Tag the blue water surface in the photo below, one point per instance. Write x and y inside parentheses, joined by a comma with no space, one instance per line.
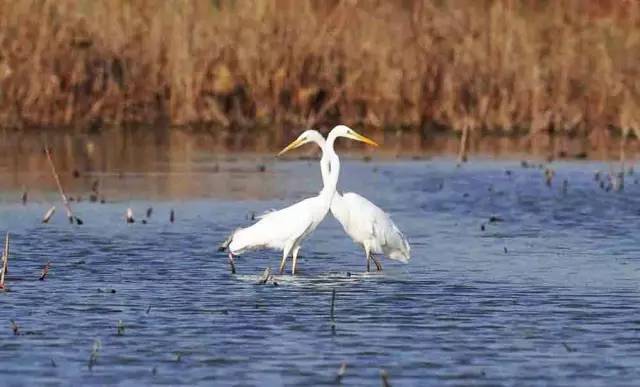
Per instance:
(544,293)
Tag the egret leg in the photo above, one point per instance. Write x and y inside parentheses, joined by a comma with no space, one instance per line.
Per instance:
(367,254)
(295,259)
(378,265)
(232,264)
(283,263)
(285,254)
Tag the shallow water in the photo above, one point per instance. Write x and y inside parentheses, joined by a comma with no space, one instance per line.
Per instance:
(548,295)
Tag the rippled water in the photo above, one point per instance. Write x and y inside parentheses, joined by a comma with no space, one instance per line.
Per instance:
(546,295)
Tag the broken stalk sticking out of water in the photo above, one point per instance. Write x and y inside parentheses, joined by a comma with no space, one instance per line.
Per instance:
(120,328)
(93,358)
(49,214)
(129,216)
(45,271)
(333,307)
(385,378)
(65,201)
(15,328)
(5,261)
(172,216)
(266,275)
(341,372)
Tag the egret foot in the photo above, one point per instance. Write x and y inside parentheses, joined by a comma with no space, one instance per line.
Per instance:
(232,264)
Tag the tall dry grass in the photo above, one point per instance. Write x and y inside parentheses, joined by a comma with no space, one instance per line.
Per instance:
(501,66)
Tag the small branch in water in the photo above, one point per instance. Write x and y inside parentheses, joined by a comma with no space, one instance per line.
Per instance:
(341,372)
(333,307)
(15,328)
(5,261)
(149,212)
(45,271)
(548,176)
(385,378)
(24,198)
(265,276)
(65,201)
(129,216)
(49,214)
(172,216)
(93,358)
(120,328)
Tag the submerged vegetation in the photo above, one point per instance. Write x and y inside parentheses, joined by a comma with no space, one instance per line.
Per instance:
(473,67)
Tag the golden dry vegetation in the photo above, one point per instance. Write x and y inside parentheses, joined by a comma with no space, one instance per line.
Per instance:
(474,67)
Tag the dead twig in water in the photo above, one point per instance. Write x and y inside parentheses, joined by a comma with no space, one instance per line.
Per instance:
(333,307)
(548,176)
(172,216)
(385,378)
(120,328)
(15,328)
(129,216)
(49,214)
(341,372)
(93,358)
(65,201)
(24,198)
(5,261)
(45,271)
(265,276)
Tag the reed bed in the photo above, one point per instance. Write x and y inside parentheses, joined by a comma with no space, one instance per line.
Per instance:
(465,66)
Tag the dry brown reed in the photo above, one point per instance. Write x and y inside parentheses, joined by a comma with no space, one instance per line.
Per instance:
(475,67)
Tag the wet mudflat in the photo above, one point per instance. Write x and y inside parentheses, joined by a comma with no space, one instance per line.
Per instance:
(511,282)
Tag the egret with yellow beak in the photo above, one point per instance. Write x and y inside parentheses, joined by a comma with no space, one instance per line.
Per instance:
(367,224)
(286,229)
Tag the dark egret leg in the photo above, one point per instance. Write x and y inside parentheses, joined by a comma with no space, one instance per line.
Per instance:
(295,259)
(368,257)
(378,265)
(232,264)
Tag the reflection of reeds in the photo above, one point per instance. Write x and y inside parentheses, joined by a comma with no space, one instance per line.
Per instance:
(510,66)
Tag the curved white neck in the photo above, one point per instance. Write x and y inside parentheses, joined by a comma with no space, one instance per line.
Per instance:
(330,168)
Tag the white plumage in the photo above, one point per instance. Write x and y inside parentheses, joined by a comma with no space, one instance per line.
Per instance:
(367,224)
(286,229)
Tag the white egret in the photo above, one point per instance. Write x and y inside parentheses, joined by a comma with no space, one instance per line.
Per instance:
(367,224)
(285,229)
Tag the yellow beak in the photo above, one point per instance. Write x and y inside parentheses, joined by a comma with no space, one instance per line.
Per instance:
(359,137)
(298,142)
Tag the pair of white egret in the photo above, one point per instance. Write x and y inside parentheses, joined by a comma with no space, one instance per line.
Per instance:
(363,221)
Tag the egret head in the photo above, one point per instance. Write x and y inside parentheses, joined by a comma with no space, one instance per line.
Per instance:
(345,131)
(306,137)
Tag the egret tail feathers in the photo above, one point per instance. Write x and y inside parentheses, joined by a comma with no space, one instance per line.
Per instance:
(402,250)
